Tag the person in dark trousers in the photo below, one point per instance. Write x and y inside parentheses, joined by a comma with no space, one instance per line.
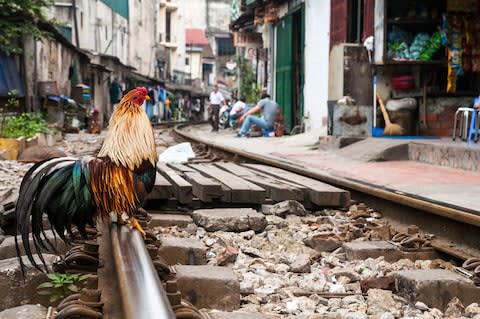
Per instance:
(216,99)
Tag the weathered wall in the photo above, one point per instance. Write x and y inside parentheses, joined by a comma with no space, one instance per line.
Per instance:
(49,60)
(195,65)
(218,15)
(195,14)
(338,22)
(143,39)
(101,29)
(317,44)
(440,114)
(53,63)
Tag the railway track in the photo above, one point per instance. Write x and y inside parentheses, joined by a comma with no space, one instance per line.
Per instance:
(136,278)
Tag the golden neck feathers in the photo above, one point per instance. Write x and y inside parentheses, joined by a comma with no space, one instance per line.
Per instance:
(130,139)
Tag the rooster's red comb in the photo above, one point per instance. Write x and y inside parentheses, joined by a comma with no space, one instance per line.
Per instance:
(142,89)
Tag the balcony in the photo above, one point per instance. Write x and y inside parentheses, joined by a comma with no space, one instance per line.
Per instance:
(170,5)
(168,40)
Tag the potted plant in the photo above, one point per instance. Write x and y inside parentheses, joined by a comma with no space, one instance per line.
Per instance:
(15,129)
(9,147)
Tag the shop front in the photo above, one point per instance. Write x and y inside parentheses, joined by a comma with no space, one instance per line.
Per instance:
(426,62)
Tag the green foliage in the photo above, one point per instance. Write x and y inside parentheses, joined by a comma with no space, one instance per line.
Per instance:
(18,18)
(25,124)
(249,89)
(12,101)
(60,285)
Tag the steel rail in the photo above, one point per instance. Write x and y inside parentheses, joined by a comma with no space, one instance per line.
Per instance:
(410,200)
(142,293)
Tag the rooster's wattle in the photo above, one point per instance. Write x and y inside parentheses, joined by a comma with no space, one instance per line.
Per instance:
(73,191)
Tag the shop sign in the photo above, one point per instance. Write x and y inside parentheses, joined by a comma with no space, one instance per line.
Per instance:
(241,39)
(255,53)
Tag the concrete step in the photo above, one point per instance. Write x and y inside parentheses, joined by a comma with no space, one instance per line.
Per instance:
(7,248)
(230,219)
(359,250)
(183,251)
(209,287)
(436,287)
(160,219)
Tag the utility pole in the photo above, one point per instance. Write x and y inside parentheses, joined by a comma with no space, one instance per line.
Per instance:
(77,41)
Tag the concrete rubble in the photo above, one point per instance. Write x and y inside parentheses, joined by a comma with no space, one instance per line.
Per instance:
(287,270)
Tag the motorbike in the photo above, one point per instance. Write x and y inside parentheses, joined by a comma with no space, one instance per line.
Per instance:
(224,116)
(196,111)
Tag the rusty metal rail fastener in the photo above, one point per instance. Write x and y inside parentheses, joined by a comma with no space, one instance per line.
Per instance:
(472,266)
(81,258)
(141,291)
(411,242)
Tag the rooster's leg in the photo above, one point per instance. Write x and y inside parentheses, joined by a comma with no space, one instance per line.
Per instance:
(133,223)
(130,221)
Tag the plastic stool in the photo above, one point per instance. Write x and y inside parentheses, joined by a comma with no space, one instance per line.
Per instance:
(465,111)
(474,122)
(474,126)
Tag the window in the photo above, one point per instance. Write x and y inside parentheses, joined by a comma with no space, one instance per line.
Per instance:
(106,32)
(355,21)
(81,20)
(225,46)
(187,61)
(168,17)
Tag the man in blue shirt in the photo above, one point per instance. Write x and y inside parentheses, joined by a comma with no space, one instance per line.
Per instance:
(267,108)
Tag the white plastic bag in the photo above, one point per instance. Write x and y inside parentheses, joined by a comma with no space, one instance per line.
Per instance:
(179,153)
(407,103)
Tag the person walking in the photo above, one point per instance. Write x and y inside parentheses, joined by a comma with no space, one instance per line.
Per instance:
(216,98)
(267,108)
(168,110)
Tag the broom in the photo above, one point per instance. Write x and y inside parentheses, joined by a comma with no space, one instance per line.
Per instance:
(390,129)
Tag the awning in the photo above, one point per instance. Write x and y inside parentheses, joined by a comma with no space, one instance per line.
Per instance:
(10,77)
(244,21)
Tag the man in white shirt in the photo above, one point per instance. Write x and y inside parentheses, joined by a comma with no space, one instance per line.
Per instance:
(237,110)
(216,99)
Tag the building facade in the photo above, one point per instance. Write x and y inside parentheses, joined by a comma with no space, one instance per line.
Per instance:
(287,43)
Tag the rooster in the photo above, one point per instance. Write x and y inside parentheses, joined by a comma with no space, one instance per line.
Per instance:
(73,191)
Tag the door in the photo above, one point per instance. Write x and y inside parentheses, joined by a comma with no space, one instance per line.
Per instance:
(289,73)
(284,70)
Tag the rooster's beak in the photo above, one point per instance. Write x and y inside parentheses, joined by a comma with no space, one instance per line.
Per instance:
(147,98)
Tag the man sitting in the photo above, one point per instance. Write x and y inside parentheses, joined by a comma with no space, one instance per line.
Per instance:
(267,108)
